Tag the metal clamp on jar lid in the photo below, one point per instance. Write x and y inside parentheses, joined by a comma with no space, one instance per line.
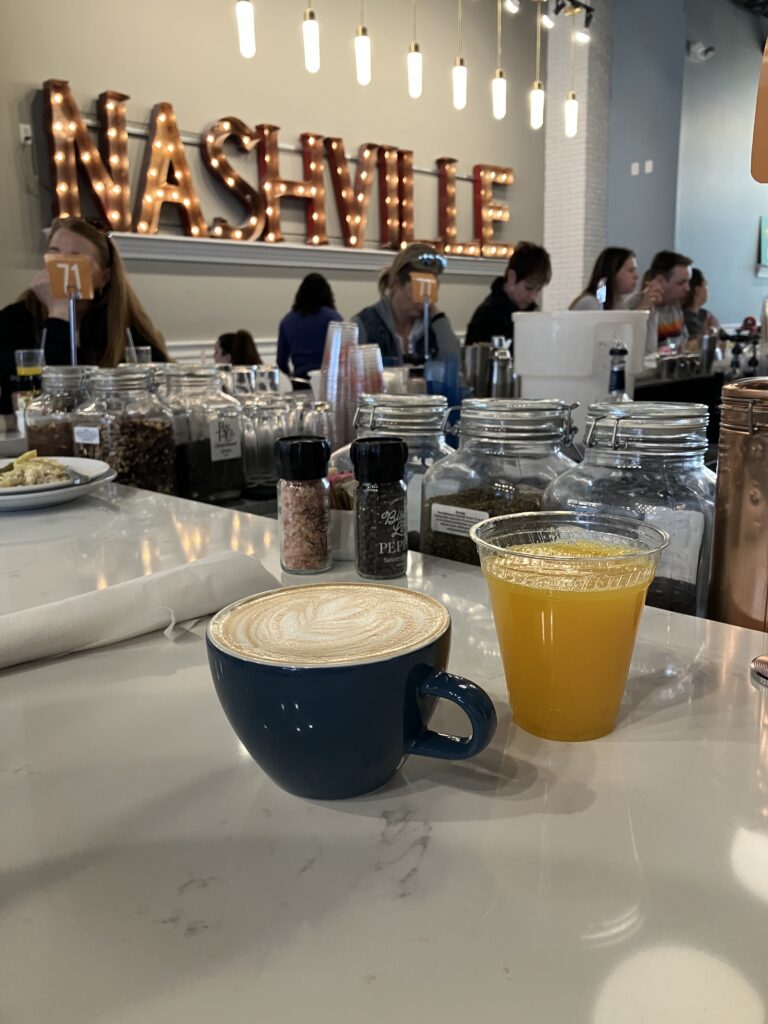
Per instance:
(653,428)
(517,419)
(758,672)
(745,406)
(406,414)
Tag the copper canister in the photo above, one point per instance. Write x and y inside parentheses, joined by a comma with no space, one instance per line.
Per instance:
(739,587)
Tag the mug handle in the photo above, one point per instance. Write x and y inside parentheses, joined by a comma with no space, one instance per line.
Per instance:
(476,705)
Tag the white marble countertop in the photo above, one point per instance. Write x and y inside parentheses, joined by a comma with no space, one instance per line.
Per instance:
(151,873)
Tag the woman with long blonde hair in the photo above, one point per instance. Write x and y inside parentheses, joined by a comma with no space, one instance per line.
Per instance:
(38,320)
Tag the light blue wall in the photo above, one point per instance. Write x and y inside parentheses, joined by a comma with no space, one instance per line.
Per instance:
(719,205)
(646,98)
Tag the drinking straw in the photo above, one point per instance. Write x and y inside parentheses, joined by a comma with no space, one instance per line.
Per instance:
(42,345)
(130,356)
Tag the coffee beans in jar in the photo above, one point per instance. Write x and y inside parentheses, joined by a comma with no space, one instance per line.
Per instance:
(127,427)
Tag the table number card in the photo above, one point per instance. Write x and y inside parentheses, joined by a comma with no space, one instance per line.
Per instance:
(67,274)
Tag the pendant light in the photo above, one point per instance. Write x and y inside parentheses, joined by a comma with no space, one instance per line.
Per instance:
(537,89)
(362,50)
(459,72)
(310,29)
(415,74)
(499,82)
(246,31)
(571,110)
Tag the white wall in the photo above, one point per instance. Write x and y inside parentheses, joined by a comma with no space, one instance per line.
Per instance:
(718,204)
(187,54)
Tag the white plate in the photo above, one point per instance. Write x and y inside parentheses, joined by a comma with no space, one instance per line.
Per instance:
(86,468)
(13,502)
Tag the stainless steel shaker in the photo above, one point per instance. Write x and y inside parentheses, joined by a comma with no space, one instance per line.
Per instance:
(477,368)
(739,586)
(504,381)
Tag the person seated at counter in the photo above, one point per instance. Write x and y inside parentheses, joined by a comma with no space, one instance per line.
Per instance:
(38,320)
(236,348)
(528,271)
(301,335)
(668,281)
(616,272)
(396,322)
(698,320)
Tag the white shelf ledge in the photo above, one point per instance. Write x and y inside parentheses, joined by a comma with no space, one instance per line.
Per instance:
(218,251)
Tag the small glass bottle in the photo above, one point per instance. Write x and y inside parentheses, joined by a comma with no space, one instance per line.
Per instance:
(303,503)
(381,535)
(617,381)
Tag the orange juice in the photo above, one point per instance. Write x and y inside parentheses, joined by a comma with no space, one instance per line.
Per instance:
(566,638)
(28,371)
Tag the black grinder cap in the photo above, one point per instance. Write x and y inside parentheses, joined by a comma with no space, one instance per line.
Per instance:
(302,457)
(379,460)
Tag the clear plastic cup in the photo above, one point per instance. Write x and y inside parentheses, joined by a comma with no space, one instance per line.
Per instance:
(567,591)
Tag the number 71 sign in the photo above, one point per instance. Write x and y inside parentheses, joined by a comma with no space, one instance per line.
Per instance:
(69,275)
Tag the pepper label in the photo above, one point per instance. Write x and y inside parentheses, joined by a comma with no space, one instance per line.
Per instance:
(453,520)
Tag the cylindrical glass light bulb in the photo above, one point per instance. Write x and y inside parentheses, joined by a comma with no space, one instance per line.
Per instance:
(415,74)
(246,30)
(547,21)
(310,28)
(362,56)
(459,76)
(571,115)
(499,95)
(537,105)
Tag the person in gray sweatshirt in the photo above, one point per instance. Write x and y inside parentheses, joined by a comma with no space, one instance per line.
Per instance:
(396,322)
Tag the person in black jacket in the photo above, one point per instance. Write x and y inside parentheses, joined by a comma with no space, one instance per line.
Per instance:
(528,271)
(37,320)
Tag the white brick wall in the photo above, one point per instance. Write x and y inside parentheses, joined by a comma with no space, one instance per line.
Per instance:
(576,170)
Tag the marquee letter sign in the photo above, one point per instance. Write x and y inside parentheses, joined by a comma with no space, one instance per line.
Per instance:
(68,139)
(212,150)
(166,177)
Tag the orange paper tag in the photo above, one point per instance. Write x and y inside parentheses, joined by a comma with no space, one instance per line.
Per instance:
(760,136)
(424,286)
(69,274)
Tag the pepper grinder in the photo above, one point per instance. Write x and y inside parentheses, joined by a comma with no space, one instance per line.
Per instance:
(381,536)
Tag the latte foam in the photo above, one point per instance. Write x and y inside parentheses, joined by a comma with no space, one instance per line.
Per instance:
(328,624)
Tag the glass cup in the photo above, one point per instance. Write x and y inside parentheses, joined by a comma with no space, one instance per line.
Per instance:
(567,591)
(29,368)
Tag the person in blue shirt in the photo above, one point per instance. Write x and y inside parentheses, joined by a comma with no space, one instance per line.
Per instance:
(301,338)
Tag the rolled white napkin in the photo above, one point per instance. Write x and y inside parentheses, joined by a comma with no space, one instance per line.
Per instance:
(130,609)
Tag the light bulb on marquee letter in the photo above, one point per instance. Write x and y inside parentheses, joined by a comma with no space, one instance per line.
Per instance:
(362,56)
(537,105)
(571,115)
(310,29)
(352,199)
(415,73)
(499,95)
(459,80)
(246,31)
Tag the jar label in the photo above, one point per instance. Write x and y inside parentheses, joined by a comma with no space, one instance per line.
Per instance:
(453,520)
(225,440)
(86,435)
(680,560)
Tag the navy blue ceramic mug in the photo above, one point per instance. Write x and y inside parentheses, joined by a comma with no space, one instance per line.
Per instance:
(331,686)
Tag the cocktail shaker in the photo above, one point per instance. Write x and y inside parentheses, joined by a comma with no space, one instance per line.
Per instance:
(739,586)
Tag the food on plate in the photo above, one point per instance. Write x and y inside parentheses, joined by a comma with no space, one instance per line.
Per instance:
(31,470)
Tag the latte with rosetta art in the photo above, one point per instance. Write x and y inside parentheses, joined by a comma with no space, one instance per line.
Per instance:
(329,624)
